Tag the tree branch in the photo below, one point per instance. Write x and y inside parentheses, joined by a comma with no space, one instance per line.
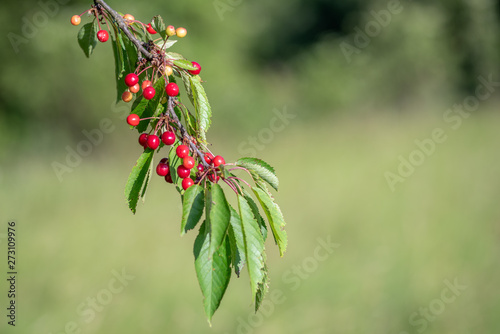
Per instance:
(194,148)
(123,26)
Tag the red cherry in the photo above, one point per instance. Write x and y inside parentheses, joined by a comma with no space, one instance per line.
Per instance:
(168,178)
(153,142)
(150,29)
(135,88)
(186,183)
(198,68)
(149,93)
(182,151)
(131,79)
(164,161)
(209,157)
(172,89)
(218,160)
(168,138)
(162,169)
(188,162)
(133,119)
(143,139)
(214,178)
(200,168)
(146,83)
(102,36)
(183,172)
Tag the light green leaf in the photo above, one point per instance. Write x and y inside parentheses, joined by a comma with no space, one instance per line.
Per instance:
(274,217)
(174,55)
(119,67)
(262,287)
(193,203)
(185,64)
(158,25)
(256,213)
(166,45)
(237,242)
(254,245)
(186,79)
(213,270)
(202,107)
(138,179)
(261,168)
(218,216)
(87,38)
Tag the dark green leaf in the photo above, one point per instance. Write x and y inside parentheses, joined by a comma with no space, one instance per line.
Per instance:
(274,217)
(119,68)
(185,64)
(158,25)
(237,242)
(254,245)
(130,54)
(213,270)
(87,38)
(261,168)
(218,216)
(202,107)
(138,179)
(193,203)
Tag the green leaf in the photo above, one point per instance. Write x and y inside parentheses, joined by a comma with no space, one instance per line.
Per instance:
(186,79)
(119,67)
(237,242)
(138,180)
(158,25)
(153,108)
(274,217)
(130,53)
(193,203)
(256,213)
(174,55)
(261,168)
(166,44)
(202,107)
(254,245)
(262,287)
(213,270)
(87,38)
(218,216)
(185,64)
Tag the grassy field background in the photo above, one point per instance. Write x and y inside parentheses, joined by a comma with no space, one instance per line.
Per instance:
(393,254)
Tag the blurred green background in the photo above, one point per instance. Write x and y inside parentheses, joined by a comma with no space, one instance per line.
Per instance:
(358,104)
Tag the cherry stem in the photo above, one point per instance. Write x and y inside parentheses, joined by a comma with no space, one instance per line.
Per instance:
(237,178)
(121,23)
(231,185)
(236,167)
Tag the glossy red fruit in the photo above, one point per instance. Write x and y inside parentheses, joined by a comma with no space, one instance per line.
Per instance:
(168,138)
(218,160)
(200,168)
(164,160)
(143,139)
(135,88)
(214,178)
(145,84)
(133,119)
(209,157)
(198,68)
(150,29)
(183,172)
(186,183)
(102,36)
(188,162)
(182,151)
(168,178)
(149,93)
(162,169)
(131,79)
(172,89)
(153,142)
